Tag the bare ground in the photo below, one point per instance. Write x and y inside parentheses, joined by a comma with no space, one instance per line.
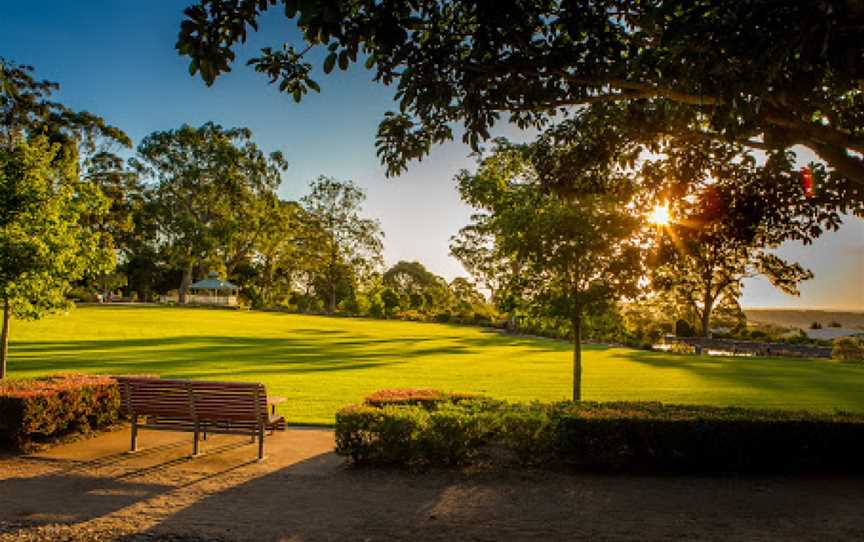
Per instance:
(92,490)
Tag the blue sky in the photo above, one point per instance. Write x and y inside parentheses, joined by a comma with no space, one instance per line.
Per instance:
(117,59)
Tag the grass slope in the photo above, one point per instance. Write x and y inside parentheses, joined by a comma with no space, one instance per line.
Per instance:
(322,363)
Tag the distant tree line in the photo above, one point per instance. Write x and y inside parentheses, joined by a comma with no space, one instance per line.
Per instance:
(196,200)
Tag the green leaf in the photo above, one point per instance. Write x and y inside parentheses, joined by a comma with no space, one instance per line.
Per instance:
(313,85)
(297,94)
(329,62)
(343,60)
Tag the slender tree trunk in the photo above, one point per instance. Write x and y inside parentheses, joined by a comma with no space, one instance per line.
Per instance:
(332,303)
(577,358)
(707,308)
(4,337)
(333,281)
(185,282)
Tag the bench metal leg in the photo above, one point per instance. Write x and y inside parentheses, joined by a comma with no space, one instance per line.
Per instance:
(261,442)
(133,447)
(195,441)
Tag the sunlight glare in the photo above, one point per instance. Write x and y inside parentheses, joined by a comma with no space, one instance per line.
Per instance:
(660,215)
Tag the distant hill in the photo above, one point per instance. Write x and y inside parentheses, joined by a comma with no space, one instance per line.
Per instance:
(802,318)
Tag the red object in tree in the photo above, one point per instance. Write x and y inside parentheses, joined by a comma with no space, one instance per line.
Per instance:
(807,181)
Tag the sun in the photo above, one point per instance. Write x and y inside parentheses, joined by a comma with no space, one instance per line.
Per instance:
(660,215)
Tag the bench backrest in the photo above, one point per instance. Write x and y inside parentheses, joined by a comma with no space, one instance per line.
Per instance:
(194,400)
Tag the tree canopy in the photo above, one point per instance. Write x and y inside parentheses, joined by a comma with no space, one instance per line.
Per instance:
(346,240)
(766,74)
(208,183)
(45,241)
(576,256)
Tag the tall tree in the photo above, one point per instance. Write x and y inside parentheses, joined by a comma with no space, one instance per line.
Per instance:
(46,234)
(276,260)
(207,183)
(724,228)
(767,73)
(45,241)
(576,255)
(347,240)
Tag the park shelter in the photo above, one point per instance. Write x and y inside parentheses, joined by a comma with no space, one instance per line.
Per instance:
(213,291)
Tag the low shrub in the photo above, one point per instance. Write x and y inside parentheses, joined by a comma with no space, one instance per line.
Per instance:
(848,349)
(38,410)
(443,429)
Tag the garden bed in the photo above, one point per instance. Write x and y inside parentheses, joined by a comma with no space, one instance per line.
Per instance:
(427,428)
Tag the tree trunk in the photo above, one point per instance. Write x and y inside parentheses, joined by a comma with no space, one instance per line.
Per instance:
(707,308)
(577,358)
(4,337)
(332,304)
(185,282)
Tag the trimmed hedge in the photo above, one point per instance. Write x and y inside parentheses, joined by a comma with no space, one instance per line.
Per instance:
(597,436)
(38,410)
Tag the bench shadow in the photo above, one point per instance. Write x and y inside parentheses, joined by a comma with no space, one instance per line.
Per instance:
(69,494)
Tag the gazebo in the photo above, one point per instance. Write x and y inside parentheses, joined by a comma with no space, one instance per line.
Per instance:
(213,291)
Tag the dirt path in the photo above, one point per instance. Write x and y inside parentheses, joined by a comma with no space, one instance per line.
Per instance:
(90,490)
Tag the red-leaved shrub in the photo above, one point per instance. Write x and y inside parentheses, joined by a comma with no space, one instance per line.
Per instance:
(36,410)
(408,396)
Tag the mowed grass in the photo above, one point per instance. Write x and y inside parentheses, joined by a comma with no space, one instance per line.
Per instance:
(322,363)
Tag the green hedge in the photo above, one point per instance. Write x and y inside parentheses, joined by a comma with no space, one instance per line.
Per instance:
(38,410)
(597,436)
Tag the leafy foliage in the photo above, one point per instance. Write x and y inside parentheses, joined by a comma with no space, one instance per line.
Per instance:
(45,242)
(599,436)
(40,409)
(575,257)
(343,239)
(767,74)
(210,187)
(26,110)
(728,213)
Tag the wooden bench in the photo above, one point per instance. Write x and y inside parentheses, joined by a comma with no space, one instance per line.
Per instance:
(199,407)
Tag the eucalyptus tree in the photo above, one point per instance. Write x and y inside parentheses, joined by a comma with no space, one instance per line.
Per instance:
(764,73)
(340,240)
(576,256)
(207,183)
(728,214)
(276,259)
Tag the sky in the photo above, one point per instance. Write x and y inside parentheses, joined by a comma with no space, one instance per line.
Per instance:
(117,59)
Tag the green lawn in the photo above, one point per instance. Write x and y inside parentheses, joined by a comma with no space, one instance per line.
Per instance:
(322,363)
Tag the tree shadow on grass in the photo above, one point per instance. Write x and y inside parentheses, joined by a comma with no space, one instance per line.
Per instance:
(787,378)
(182,355)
